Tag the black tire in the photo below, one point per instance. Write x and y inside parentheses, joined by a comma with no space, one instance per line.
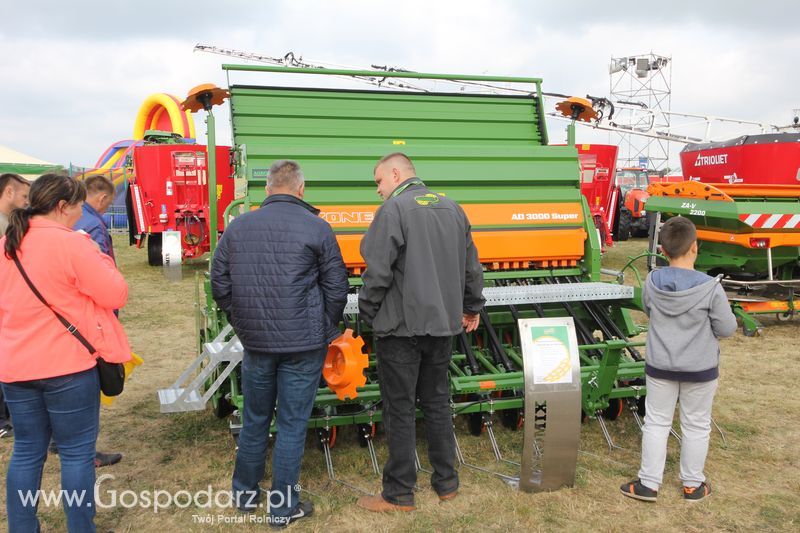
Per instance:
(222,407)
(154,249)
(613,410)
(510,418)
(475,424)
(624,227)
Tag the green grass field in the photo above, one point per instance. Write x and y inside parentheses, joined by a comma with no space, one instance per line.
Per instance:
(755,474)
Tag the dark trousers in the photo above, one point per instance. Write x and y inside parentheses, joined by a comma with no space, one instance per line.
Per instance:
(411,368)
(4,417)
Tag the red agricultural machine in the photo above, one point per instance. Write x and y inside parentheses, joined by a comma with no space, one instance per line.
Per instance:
(597,162)
(169,192)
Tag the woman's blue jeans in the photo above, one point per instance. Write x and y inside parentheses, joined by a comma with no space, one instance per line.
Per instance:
(68,408)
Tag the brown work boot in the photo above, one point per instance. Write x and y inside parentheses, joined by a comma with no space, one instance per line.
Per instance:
(377,504)
(449,496)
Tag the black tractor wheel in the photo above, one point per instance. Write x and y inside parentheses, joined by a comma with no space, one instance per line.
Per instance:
(624,225)
(154,249)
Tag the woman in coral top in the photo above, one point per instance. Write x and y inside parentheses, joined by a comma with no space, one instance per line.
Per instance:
(48,377)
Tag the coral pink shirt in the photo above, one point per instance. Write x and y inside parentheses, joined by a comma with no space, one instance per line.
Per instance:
(78,281)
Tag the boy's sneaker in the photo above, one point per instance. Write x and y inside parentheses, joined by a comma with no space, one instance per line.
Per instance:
(635,489)
(696,494)
(303,510)
(6,432)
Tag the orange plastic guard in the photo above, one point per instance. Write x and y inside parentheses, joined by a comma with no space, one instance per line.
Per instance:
(506,235)
(689,189)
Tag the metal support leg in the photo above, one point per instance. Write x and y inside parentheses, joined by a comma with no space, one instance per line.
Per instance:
(326,450)
(372,457)
(418,464)
(504,477)
(721,434)
(606,434)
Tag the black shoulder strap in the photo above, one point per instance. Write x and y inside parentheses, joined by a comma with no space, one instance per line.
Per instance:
(66,323)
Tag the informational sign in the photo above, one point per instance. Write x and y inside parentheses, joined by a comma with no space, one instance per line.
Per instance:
(550,347)
(553,389)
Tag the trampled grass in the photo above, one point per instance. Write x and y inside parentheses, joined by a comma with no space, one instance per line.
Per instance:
(755,474)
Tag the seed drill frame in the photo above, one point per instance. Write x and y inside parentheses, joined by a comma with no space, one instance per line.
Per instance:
(532,227)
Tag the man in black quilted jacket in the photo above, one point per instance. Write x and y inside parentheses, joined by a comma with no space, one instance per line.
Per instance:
(278,274)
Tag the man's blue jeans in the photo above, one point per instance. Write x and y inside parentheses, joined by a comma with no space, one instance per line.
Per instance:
(68,408)
(292,379)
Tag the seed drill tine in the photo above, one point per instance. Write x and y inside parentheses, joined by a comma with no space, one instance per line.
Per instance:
(476,467)
(326,450)
(721,434)
(606,434)
(418,464)
(495,445)
(373,457)
(634,409)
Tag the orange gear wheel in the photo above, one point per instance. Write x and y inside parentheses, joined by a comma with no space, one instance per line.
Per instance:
(345,364)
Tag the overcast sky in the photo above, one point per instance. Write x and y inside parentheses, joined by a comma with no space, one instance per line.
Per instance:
(73,74)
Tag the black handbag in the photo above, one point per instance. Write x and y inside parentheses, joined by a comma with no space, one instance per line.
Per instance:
(112,375)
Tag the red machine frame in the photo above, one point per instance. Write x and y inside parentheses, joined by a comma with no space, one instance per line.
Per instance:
(169,192)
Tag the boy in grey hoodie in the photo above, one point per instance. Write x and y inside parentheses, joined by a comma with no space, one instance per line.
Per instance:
(688,313)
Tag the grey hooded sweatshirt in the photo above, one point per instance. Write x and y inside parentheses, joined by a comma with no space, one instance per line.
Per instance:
(688,313)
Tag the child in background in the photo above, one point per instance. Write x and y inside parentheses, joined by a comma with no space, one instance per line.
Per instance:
(688,313)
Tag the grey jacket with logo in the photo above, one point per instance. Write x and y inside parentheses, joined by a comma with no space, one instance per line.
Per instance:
(422,270)
(688,312)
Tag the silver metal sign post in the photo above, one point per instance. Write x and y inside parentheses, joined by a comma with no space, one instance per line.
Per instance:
(552,403)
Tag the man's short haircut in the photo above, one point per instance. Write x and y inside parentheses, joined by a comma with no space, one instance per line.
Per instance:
(399,159)
(11,180)
(99,184)
(285,175)
(676,236)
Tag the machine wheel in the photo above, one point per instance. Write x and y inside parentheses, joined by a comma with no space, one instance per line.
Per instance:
(475,424)
(330,433)
(222,407)
(784,317)
(624,228)
(154,249)
(511,418)
(366,432)
(640,406)
(613,410)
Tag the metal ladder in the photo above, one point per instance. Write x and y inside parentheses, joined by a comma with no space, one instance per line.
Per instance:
(187,394)
(652,260)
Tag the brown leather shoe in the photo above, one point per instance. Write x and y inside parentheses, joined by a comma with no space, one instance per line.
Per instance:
(377,504)
(449,496)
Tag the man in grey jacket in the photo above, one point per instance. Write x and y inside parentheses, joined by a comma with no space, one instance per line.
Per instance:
(423,284)
(688,312)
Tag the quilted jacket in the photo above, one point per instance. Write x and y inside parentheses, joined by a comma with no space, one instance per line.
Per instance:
(279,276)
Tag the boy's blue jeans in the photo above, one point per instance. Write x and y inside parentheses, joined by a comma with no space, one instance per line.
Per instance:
(292,380)
(68,408)
(695,414)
